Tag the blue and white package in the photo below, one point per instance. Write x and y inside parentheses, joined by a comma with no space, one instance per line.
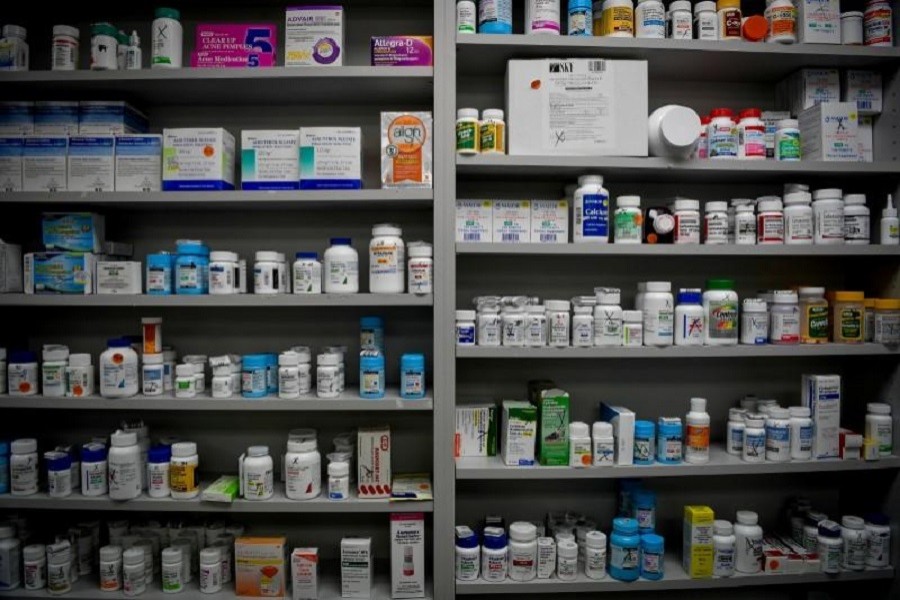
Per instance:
(59,273)
(11,163)
(91,164)
(16,118)
(330,158)
(56,118)
(73,232)
(110,118)
(198,159)
(139,163)
(44,163)
(270,159)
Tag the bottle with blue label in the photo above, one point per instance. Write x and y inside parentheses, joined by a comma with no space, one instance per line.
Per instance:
(371,374)
(254,378)
(192,268)
(625,550)
(652,556)
(412,376)
(644,442)
(495,16)
(591,208)
(581,17)
(371,333)
(669,440)
(645,510)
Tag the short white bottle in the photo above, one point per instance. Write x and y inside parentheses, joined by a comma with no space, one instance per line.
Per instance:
(734,431)
(659,314)
(857,220)
(889,227)
(608,317)
(603,444)
(723,549)
(595,555)
(341,268)
(53,370)
(183,471)
(134,582)
(522,551)
(258,480)
(303,470)
(801,433)
(124,464)
(754,450)
(879,427)
(580,454)
(748,542)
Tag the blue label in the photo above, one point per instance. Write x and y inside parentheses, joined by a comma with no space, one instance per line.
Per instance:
(194,186)
(270,185)
(780,434)
(595,215)
(465,335)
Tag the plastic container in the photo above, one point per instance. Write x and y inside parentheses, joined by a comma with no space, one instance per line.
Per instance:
(770,222)
(781,16)
(582,327)
(183,471)
(689,318)
(729,17)
(801,433)
(420,270)
(257,475)
(466,16)
(885,322)
(624,549)
(723,549)
(798,219)
(595,555)
(104,47)
(644,504)
(652,556)
(211,570)
(778,435)
(877,24)
(338,481)
(468,555)
(787,140)
(754,321)
(591,211)
(495,16)
(118,370)
(608,317)
(468,137)
(650,20)
(659,314)
(160,269)
(341,268)
(852,28)
(22,373)
(748,542)
(522,551)
(307,273)
(59,474)
(644,442)
(124,461)
(813,315)
(853,532)
(857,220)
(849,318)
(754,28)
(720,313)
(158,459)
(567,560)
(53,370)
(494,555)
(23,467)
(253,377)
(581,17)
(706,22)
(628,220)
(10,575)
(715,223)
(879,428)
(680,23)
(303,470)
(94,470)
(669,440)
(673,129)
(542,17)
(722,133)
(878,531)
(412,376)
(828,216)
(687,221)
(371,375)
(191,268)
(615,19)
(696,446)
(752,133)
(387,260)
(784,320)
(166,39)
(829,546)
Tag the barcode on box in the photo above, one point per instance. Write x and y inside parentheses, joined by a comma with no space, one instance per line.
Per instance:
(548,237)
(597,66)
(864,104)
(510,237)
(472,237)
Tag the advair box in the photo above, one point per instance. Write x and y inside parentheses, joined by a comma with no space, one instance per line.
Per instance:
(577,107)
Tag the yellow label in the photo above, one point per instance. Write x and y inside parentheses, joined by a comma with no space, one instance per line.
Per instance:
(618,19)
(493,137)
(182,478)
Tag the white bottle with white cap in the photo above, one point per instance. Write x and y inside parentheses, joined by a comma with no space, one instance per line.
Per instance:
(857,220)
(696,442)
(257,477)
(890,224)
(659,314)
(580,454)
(604,445)
(748,542)
(124,463)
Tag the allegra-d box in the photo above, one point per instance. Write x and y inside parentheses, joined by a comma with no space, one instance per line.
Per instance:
(402,51)
(697,549)
(259,567)
(374,462)
(305,574)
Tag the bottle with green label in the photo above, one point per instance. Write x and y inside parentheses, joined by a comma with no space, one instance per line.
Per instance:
(814,315)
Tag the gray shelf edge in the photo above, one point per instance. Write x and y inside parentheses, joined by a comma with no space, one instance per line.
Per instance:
(674,352)
(225,198)
(656,250)
(220,301)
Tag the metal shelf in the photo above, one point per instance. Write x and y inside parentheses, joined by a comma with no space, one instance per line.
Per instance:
(217,301)
(419,199)
(264,86)
(740,351)
(391,402)
(661,250)
(720,463)
(684,60)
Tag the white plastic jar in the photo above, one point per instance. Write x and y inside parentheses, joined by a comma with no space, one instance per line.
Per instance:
(828,216)
(535,326)
(34,567)
(744,225)
(124,463)
(857,220)
(628,220)
(748,542)
(614,18)
(608,317)
(723,548)
(782,18)
(784,320)
(715,223)
(288,376)
(465,327)
(183,471)
(490,325)
(752,135)
(341,268)
(770,223)
(258,481)
(689,318)
(223,273)
(591,210)
(734,431)
(387,259)
(166,39)
(134,582)
(659,314)
(754,450)
(852,28)
(787,140)
(152,374)
(567,560)
(650,19)
(118,370)
(23,467)
(79,376)
(880,427)
(558,323)
(583,327)
(798,218)
(307,273)
(338,480)
(595,555)
(878,531)
(420,271)
(687,221)
(266,273)
(680,24)
(522,551)
(878,23)
(853,532)
(633,328)
(328,368)
(104,47)
(801,433)
(778,435)
(172,568)
(64,51)
(513,326)
(303,470)
(53,370)
(185,386)
(706,22)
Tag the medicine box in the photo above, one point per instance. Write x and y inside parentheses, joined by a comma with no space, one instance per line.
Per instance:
(407,154)
(16,118)
(476,430)
(59,273)
(512,221)
(73,232)
(44,163)
(374,462)
(407,555)
(110,118)
(864,88)
(330,158)
(474,221)
(819,21)
(11,149)
(402,51)
(235,45)
(10,268)
(198,159)
(771,118)
(622,421)
(314,36)
(829,132)
(577,107)
(553,428)
(270,159)
(549,221)
(822,394)
(139,162)
(56,118)
(865,138)
(119,278)
(305,574)
(807,87)
(697,550)
(357,566)
(519,433)
(259,567)
(91,164)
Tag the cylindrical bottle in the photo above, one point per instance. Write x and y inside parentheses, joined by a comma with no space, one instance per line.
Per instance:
(650,19)
(828,216)
(59,568)
(494,555)
(603,444)
(696,447)
(723,549)
(715,223)
(852,28)
(591,209)
(158,459)
(689,318)
(23,467)
(10,563)
(857,220)
(770,222)
(644,505)
(787,140)
(778,435)
(801,433)
(567,560)
(258,474)
(628,220)
(542,17)
(706,22)
(644,442)
(652,556)
(468,554)
(558,323)
(522,551)
(583,327)
(879,427)
(754,322)
(849,317)
(467,132)
(829,546)
(889,227)
(466,16)
(341,268)
(624,550)
(632,328)
(608,317)
(307,273)
(748,542)
(94,470)
(878,23)
(659,314)
(734,434)
(720,313)
(172,569)
(680,24)
(798,219)
(687,221)
(853,532)
(722,133)
(387,260)
(183,471)
(420,270)
(124,460)
(878,531)
(338,481)
(781,16)
(595,555)
(210,570)
(53,369)
(729,14)
(133,578)
(614,19)
(784,321)
(118,370)
(64,52)
(34,563)
(303,470)
(751,135)
(754,450)
(166,40)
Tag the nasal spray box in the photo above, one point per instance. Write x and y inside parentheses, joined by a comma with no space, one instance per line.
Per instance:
(198,159)
(357,567)
(330,158)
(697,550)
(517,443)
(622,421)
(139,163)
(305,574)
(269,159)
(92,163)
(407,555)
(822,394)
(553,428)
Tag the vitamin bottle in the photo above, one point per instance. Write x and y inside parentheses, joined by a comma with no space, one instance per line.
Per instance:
(811,529)
(628,220)
(752,135)
(770,222)
(687,221)
(723,549)
(849,317)
(879,427)
(715,223)
(633,328)
(522,551)
(172,568)
(183,471)
(877,24)
(542,17)
(341,268)
(696,447)
(616,19)
(890,224)
(798,219)
(650,19)
(652,556)
(754,450)
(781,16)
(567,560)
(492,131)
(581,17)
(787,140)
(124,460)
(722,133)
(591,209)
(689,318)
(801,433)
(34,563)
(467,132)
(94,470)
(734,434)
(784,320)
(257,474)
(166,40)
(828,216)
(878,531)
(624,549)
(185,381)
(748,542)
(829,546)
(813,315)
(152,374)
(580,454)
(856,219)
(23,467)
(729,17)
(466,16)
(720,313)
(853,531)
(706,22)
(608,317)
(468,554)
(680,25)
(494,555)
(603,444)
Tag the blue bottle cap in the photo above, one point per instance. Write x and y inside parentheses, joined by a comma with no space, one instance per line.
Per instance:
(118,343)
(340,241)
(644,497)
(192,248)
(4,447)
(494,541)
(652,541)
(412,361)
(311,255)
(254,361)
(625,525)
(91,453)
(689,297)
(371,323)
(159,454)
(22,357)
(58,461)
(466,538)
(644,428)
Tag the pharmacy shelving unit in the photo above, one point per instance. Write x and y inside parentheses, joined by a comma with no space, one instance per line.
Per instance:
(659,382)
(244,222)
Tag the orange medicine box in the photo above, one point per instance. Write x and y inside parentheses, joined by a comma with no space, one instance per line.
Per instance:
(407,154)
(259,567)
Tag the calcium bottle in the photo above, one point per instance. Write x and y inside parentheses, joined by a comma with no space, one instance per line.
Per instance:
(591,208)
(387,260)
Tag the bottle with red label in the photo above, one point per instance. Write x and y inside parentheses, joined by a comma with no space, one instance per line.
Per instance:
(751,135)
(687,221)
(878,29)
(729,13)
(770,222)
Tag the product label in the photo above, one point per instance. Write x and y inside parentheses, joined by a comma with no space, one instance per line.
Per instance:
(257,483)
(659,323)
(697,439)
(22,379)
(618,19)
(856,228)
(782,21)
(670,448)
(830,224)
(877,27)
(806,438)
(467,137)
(466,567)
(723,319)
(646,518)
(798,227)
(582,333)
(715,228)
(723,562)
(493,137)
(787,145)
(386,259)
(117,374)
(731,23)
(755,446)
(342,272)
(752,140)
(124,477)
(629,224)
(159,279)
(879,547)
(371,380)
(707,26)
(182,477)
(643,449)
(770,229)
(778,442)
(830,557)
(851,323)
(489,330)
(745,229)
(736,440)
(785,327)
(592,220)
(495,11)
(625,559)
(580,22)
(595,562)
(651,562)
(817,322)
(687,228)
(681,26)
(722,140)
(650,19)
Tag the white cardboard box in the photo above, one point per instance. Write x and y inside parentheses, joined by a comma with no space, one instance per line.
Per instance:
(550,221)
(822,394)
(44,163)
(374,462)
(476,430)
(407,555)
(11,149)
(270,159)
(198,159)
(622,421)
(512,221)
(305,574)
(805,88)
(474,221)
(356,567)
(10,268)
(829,132)
(818,21)
(139,162)
(330,158)
(577,107)
(56,118)
(91,164)
(119,278)
(864,88)
(314,36)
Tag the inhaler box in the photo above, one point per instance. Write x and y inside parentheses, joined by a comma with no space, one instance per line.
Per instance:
(829,131)
(59,273)
(314,36)
(356,567)
(771,118)
(92,164)
(44,163)
(120,277)
(259,569)
(407,555)
(549,221)
(476,431)
(474,221)
(10,268)
(819,21)
(519,433)
(553,428)
(235,45)
(807,87)
(305,574)
(198,159)
(330,158)
(512,221)
(269,160)
(864,88)
(139,163)
(11,150)
(577,107)
(110,118)
(865,139)
(822,394)
(402,51)
(73,232)
(56,118)
(374,462)
(697,550)
(16,118)
(622,421)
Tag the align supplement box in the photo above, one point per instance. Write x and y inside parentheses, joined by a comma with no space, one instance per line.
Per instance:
(407,555)
(56,118)
(110,118)
(16,118)
(91,164)
(198,159)
(259,569)
(73,232)
(119,278)
(474,221)
(807,87)
(549,221)
(864,88)
(818,21)
(519,433)
(314,36)
(512,221)
(374,462)
(330,158)
(139,163)
(402,51)
(357,567)
(44,163)
(822,394)
(305,574)
(553,428)
(269,159)
(407,154)
(59,273)
(235,45)
(476,430)
(10,268)
(697,550)
(829,132)
(577,107)
(11,150)
(622,421)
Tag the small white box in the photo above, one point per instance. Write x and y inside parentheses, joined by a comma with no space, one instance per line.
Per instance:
(198,159)
(519,433)
(11,149)
(314,36)
(476,430)
(577,107)
(374,462)
(270,159)
(330,158)
(10,268)
(110,118)
(44,163)
(56,118)
(474,221)
(356,567)
(92,164)
(120,277)
(829,132)
(622,421)
(407,555)
(305,573)
(865,138)
(864,88)
(16,118)
(139,162)
(550,221)
(822,394)
(819,21)
(512,221)
(807,87)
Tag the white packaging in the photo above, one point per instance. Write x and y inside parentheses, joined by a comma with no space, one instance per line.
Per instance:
(519,433)
(771,118)
(10,271)
(407,555)
(550,221)
(91,164)
(270,159)
(864,88)
(819,21)
(356,567)
(11,149)
(56,118)
(622,421)
(374,462)
(109,118)
(476,430)
(474,221)
(865,139)
(305,574)
(822,394)
(577,107)
(198,159)
(44,163)
(807,87)
(16,118)
(138,163)
(828,132)
(512,221)
(123,277)
(314,37)
(330,158)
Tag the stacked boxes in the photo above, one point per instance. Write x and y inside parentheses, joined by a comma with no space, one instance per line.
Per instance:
(512,221)
(71,241)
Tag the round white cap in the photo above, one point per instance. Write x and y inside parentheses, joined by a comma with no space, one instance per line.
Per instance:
(171,555)
(465,315)
(828,194)
(595,539)
(338,469)
(123,439)
(680,125)
(628,201)
(855,199)
(779,413)
(184,449)
(784,297)
(557,305)
(578,429)
(522,531)
(420,250)
(223,256)
(133,556)
(466,113)
(152,359)
(721,527)
(288,359)
(801,412)
(632,316)
(698,404)
(266,256)
(258,451)
(209,556)
(851,522)
(602,429)
(590,180)
(302,446)
(769,206)
(79,360)
(878,408)
(24,446)
(687,204)
(55,353)
(704,6)
(184,370)
(609,296)
(747,517)
(659,286)
(717,205)
(386,229)
(492,113)
(66,30)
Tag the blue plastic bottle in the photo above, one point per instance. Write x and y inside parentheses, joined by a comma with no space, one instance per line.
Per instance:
(4,466)
(254,380)
(652,556)
(624,550)
(669,440)
(272,373)
(192,268)
(371,375)
(371,333)
(495,16)
(645,511)
(159,274)
(644,442)
(412,376)
(581,17)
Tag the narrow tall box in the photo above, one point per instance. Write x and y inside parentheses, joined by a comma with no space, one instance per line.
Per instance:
(44,163)
(139,162)
(553,428)
(697,550)
(357,567)
(91,164)
(476,431)
(829,132)
(305,574)
(407,555)
(374,462)
(330,158)
(819,21)
(314,36)
(512,221)
(474,221)
(822,394)
(198,159)
(270,159)
(622,421)
(865,138)
(259,567)
(11,150)
(549,221)
(519,433)
(10,268)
